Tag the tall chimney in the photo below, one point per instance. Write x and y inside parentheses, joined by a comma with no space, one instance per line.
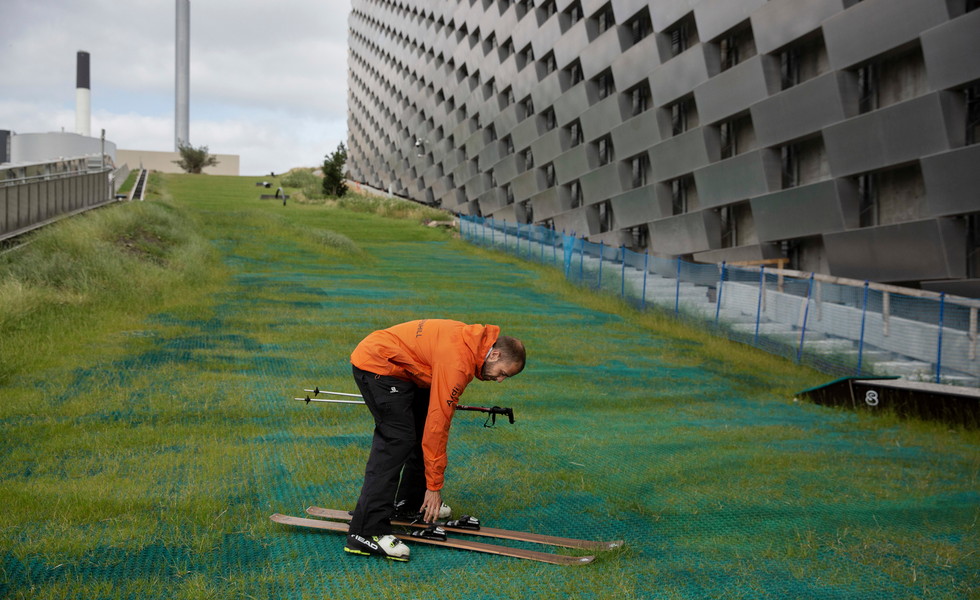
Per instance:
(83,95)
(182,87)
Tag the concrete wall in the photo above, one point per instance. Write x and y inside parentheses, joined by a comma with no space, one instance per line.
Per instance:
(163,162)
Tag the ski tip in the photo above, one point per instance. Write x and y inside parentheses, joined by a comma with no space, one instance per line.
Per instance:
(584,560)
(615,544)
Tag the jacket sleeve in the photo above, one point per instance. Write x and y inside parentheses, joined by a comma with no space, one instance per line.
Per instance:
(447,387)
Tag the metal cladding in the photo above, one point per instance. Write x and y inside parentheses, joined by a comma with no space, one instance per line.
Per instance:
(83,95)
(183,69)
(829,133)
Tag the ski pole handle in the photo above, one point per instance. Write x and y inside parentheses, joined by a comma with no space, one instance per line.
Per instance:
(493,411)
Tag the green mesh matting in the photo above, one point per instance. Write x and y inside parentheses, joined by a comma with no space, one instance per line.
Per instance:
(720,487)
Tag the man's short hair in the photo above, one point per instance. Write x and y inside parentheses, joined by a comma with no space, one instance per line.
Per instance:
(512,351)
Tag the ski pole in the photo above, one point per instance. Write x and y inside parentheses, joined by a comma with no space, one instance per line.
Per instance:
(492,411)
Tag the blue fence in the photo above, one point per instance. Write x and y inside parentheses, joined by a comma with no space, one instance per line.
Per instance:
(841,327)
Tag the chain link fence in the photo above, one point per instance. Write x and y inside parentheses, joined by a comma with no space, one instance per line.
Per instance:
(838,326)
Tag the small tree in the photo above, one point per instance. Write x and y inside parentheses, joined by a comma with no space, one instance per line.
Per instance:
(193,160)
(333,172)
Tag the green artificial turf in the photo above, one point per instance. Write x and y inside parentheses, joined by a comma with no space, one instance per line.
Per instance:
(150,353)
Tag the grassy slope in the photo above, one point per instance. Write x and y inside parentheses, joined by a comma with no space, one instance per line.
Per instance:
(148,431)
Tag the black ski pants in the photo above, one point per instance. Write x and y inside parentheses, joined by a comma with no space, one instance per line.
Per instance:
(395,470)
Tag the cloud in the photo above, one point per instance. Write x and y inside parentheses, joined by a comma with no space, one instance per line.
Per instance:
(268,81)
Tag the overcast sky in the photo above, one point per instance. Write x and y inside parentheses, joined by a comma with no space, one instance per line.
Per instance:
(268,80)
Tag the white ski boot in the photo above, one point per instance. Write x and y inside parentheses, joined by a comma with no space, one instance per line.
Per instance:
(387,546)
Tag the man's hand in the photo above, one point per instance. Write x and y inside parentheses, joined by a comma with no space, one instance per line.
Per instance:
(431,505)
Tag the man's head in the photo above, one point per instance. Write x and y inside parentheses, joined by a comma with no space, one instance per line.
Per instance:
(506,359)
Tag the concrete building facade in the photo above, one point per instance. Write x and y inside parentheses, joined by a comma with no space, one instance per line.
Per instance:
(839,135)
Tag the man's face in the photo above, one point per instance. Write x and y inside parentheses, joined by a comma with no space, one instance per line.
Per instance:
(497,370)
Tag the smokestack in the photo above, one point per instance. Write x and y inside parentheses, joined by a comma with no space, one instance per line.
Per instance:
(83,95)
(182,87)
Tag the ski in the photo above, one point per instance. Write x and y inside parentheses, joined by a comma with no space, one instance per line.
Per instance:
(555,559)
(505,534)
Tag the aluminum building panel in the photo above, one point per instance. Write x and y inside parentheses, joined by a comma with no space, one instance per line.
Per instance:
(602,183)
(572,164)
(872,27)
(602,117)
(800,111)
(637,63)
(637,207)
(885,137)
(952,181)
(896,253)
(801,212)
(679,76)
(951,50)
(679,155)
(549,203)
(738,178)
(715,17)
(636,135)
(682,234)
(665,13)
(736,89)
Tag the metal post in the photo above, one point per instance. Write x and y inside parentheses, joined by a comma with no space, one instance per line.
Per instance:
(646,262)
(581,260)
(677,288)
(622,278)
(864,314)
(939,349)
(758,308)
(721,286)
(601,249)
(806,313)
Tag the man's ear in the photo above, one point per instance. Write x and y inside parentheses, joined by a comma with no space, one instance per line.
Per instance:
(493,356)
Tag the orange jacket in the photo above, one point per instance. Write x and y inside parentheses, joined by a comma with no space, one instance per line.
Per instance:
(438,354)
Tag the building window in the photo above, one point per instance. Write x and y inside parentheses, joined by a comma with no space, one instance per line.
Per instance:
(508,96)
(550,120)
(604,84)
(640,26)
(973,114)
(682,195)
(640,170)
(804,162)
(682,35)
(525,58)
(605,217)
(575,194)
(550,64)
(546,11)
(867,80)
(571,16)
(549,175)
(573,74)
(575,134)
(736,46)
(867,200)
(508,145)
(640,98)
(509,193)
(602,21)
(973,245)
(640,235)
(528,160)
(683,116)
(527,107)
(732,219)
(528,212)
(790,166)
(804,60)
(604,150)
